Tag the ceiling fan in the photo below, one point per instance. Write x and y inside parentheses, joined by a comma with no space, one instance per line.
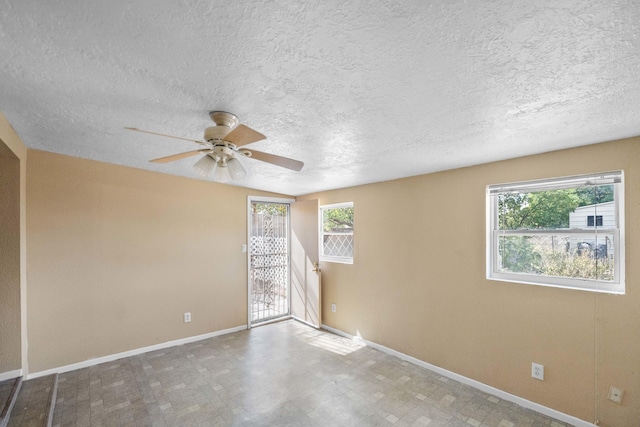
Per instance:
(221,148)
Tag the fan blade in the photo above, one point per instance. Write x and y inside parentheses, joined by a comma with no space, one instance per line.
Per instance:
(243,135)
(162,134)
(178,156)
(285,162)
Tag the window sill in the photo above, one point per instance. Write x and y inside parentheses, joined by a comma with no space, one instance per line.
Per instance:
(337,260)
(557,282)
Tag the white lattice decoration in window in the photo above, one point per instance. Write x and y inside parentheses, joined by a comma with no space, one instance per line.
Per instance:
(338,245)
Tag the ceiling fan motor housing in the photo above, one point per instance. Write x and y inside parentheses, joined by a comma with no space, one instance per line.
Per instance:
(216,133)
(225,123)
(222,118)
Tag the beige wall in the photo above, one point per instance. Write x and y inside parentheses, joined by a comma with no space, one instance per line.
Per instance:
(117,255)
(13,272)
(418,286)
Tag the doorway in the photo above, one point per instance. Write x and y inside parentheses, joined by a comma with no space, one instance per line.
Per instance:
(11,300)
(269,253)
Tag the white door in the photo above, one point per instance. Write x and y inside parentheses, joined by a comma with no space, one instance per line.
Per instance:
(306,287)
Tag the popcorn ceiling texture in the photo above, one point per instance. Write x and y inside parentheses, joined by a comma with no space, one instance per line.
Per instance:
(359,91)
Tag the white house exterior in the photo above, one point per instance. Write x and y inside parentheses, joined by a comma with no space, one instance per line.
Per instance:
(592,217)
(587,217)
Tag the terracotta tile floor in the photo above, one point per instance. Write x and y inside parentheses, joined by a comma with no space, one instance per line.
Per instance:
(282,374)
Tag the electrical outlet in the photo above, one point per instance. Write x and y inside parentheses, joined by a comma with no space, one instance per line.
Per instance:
(187,317)
(615,395)
(333,308)
(537,371)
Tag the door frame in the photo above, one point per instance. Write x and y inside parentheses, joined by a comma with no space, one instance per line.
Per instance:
(250,200)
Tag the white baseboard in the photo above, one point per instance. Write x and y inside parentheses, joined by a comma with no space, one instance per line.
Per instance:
(9,375)
(112,357)
(569,419)
(297,319)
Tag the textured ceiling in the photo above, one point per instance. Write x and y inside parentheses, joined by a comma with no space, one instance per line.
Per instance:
(359,91)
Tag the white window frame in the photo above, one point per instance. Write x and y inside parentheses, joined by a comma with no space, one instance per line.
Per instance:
(329,258)
(617,286)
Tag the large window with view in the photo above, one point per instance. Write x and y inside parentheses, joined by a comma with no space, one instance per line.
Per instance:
(564,232)
(336,230)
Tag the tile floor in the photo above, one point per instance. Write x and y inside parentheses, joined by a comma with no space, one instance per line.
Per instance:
(282,374)
(5,391)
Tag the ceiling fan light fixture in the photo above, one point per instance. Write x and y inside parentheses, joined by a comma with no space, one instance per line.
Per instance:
(221,173)
(236,168)
(205,165)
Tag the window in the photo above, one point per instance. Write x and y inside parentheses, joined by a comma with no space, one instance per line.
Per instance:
(598,220)
(336,230)
(563,232)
